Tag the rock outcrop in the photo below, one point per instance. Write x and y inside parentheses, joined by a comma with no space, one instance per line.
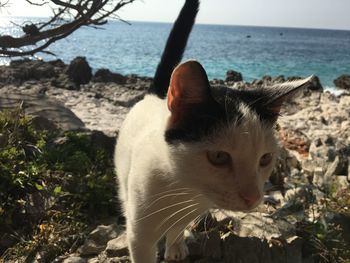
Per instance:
(20,71)
(233,76)
(79,71)
(343,82)
(105,75)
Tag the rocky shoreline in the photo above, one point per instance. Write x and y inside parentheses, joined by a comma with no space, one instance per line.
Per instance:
(313,171)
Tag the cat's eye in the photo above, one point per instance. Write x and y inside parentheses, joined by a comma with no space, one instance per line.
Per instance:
(266,159)
(218,158)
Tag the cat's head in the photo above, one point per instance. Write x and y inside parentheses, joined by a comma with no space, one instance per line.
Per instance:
(222,140)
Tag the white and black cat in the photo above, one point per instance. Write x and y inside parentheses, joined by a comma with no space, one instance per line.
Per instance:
(187,148)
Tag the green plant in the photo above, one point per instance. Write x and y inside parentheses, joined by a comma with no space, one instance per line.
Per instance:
(325,237)
(52,185)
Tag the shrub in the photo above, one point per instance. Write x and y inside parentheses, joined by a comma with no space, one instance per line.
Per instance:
(52,185)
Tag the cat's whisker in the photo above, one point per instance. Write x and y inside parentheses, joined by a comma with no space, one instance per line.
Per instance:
(176,222)
(163,209)
(165,232)
(196,220)
(174,214)
(177,190)
(170,216)
(205,225)
(183,230)
(173,190)
(165,196)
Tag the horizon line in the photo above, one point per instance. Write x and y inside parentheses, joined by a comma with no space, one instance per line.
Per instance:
(200,23)
(241,25)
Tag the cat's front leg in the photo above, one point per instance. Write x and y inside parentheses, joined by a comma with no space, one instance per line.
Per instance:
(141,247)
(175,246)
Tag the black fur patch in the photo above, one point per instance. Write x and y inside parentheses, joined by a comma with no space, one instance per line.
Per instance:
(201,121)
(256,99)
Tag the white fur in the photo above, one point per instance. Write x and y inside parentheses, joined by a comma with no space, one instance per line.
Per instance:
(163,188)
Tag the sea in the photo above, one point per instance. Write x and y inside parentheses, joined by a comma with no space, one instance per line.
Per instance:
(136,48)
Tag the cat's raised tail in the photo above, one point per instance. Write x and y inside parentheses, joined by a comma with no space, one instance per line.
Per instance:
(174,48)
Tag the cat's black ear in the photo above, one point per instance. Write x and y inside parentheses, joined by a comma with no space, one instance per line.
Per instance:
(268,106)
(189,88)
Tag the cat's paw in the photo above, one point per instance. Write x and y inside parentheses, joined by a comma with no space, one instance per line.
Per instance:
(176,252)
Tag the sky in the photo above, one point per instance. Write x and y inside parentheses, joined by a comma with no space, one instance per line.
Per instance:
(333,14)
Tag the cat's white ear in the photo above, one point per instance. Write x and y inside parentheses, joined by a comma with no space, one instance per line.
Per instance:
(189,86)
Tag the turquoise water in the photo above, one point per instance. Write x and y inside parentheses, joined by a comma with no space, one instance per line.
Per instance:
(137,48)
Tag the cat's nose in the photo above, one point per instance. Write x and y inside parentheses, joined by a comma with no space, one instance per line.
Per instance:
(250,197)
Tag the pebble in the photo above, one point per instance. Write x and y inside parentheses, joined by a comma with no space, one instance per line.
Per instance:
(117,247)
(75,259)
(97,240)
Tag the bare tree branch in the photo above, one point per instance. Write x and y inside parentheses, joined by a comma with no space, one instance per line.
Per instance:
(67,17)
(4,3)
(68,5)
(54,18)
(38,49)
(38,4)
